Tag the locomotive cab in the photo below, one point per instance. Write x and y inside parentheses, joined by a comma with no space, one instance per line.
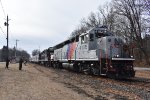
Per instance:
(120,60)
(113,54)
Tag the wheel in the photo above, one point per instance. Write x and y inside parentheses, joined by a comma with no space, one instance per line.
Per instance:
(76,68)
(94,71)
(55,65)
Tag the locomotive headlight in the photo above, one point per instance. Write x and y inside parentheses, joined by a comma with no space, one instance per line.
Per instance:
(111,66)
(131,56)
(116,56)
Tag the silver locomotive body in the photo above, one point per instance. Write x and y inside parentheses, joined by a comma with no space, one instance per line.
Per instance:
(96,52)
(44,58)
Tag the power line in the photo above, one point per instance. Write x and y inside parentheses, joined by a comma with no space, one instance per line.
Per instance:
(3,35)
(2,31)
(4,16)
(3,8)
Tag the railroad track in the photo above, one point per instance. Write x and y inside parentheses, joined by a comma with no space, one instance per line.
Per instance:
(138,81)
(138,87)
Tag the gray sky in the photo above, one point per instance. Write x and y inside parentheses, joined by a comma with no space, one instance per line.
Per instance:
(43,23)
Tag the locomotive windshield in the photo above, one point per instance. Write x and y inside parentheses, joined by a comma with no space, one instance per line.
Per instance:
(102,33)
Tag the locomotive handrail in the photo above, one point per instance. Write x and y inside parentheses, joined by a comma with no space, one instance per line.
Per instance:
(123,59)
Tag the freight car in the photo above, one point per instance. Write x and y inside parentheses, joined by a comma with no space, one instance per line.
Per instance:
(97,52)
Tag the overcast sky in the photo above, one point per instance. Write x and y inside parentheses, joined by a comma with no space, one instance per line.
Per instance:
(43,23)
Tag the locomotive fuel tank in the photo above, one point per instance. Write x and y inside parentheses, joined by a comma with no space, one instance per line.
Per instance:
(68,66)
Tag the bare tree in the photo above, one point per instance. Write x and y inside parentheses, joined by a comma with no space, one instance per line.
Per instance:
(107,16)
(86,24)
(132,10)
(92,21)
(35,52)
(81,29)
(146,5)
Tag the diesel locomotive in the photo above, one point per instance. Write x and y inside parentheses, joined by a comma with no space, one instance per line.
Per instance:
(97,52)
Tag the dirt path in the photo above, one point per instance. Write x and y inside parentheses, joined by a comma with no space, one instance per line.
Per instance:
(36,82)
(32,84)
(102,88)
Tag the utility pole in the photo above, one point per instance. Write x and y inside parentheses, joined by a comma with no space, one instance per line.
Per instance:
(16,48)
(7,24)
(7,58)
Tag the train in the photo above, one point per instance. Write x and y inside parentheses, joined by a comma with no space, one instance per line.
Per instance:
(97,51)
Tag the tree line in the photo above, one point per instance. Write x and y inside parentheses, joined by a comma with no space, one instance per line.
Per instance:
(129,19)
(12,53)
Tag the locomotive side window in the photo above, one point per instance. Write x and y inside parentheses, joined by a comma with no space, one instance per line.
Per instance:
(82,39)
(99,34)
(91,37)
(77,38)
(86,38)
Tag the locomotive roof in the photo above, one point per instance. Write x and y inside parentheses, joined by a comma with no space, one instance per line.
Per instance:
(65,42)
(51,49)
(101,29)
(93,30)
